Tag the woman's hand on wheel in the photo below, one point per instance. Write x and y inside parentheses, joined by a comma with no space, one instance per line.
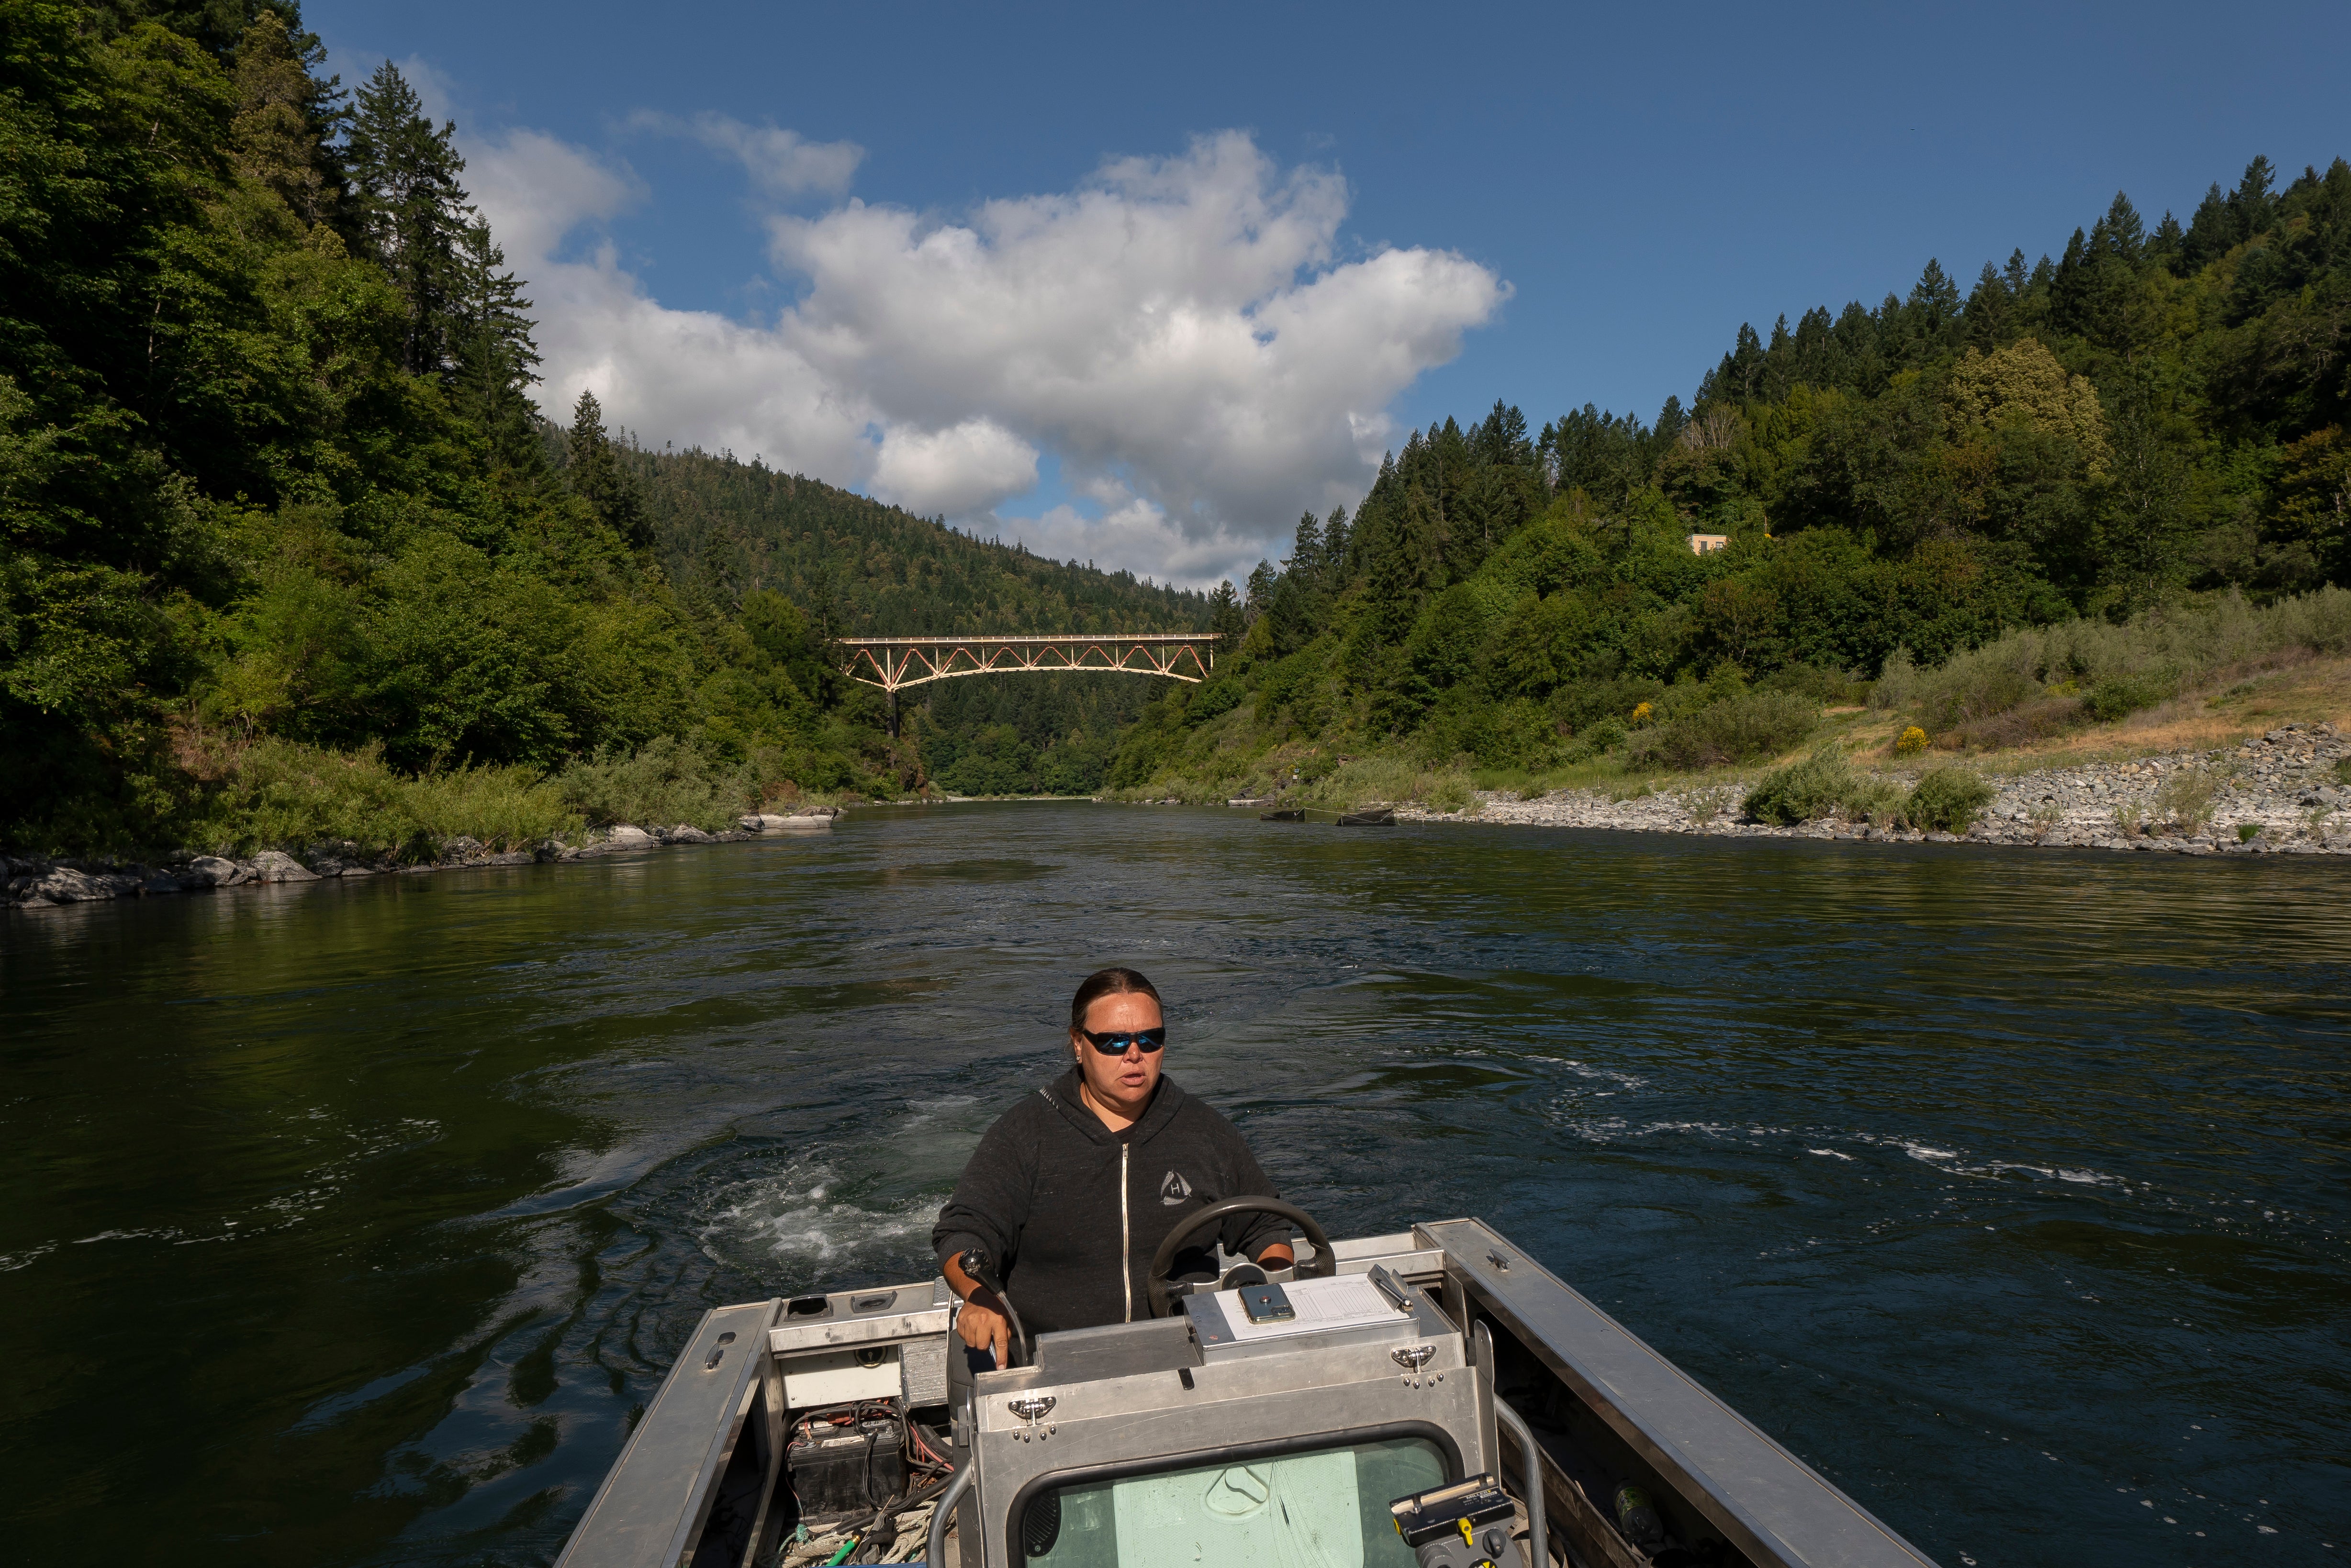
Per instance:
(984,1328)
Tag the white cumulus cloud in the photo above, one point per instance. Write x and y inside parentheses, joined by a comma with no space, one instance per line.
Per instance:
(967,468)
(1184,335)
(781,163)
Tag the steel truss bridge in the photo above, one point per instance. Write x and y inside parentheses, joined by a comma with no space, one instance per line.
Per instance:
(895,662)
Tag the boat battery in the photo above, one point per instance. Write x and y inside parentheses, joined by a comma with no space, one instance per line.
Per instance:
(852,1468)
(1465,1525)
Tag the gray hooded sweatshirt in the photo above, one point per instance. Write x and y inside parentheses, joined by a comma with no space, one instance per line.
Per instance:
(1069,1213)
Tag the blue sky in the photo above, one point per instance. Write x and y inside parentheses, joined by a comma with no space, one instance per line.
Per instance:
(1139,283)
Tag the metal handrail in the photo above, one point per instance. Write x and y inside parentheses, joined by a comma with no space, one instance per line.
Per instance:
(936,1552)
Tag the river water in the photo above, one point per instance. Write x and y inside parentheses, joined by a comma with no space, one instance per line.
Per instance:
(346,1223)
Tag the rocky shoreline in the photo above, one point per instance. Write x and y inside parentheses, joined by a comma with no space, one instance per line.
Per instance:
(2285,786)
(38,882)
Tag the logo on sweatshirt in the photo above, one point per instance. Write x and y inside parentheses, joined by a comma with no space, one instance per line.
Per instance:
(1174,1189)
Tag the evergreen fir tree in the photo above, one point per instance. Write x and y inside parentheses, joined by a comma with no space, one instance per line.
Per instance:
(1305,561)
(2126,236)
(2250,202)
(412,210)
(496,361)
(1225,617)
(1988,310)
(1336,568)
(594,471)
(1261,579)
(2213,232)
(1934,303)
(285,115)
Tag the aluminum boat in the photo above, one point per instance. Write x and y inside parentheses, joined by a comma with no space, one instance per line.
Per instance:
(1435,1396)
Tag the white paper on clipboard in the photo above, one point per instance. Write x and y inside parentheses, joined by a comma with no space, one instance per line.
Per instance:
(1344,1301)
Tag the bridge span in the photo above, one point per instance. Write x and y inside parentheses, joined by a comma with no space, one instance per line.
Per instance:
(894,663)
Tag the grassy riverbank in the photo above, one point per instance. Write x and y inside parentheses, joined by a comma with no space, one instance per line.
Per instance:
(2197,677)
(243,797)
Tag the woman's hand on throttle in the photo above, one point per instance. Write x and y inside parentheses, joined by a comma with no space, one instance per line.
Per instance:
(984,1328)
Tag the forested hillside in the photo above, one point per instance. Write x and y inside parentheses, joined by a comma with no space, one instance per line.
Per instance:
(288,553)
(723,528)
(2149,418)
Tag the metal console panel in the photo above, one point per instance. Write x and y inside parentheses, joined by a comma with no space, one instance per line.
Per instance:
(819,1352)
(1287,1395)
(652,1507)
(1765,1500)
(795,1336)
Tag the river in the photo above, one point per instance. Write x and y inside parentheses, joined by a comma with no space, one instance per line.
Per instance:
(346,1223)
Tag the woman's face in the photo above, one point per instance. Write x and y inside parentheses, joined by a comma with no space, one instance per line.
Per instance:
(1125,1081)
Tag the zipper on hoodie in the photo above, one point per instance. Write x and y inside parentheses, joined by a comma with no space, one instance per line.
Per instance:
(1125,1234)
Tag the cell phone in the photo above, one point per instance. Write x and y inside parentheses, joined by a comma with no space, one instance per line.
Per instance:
(1267,1303)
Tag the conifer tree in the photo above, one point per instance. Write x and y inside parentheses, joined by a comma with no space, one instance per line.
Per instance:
(596,476)
(285,116)
(1988,310)
(412,212)
(1305,563)
(1335,543)
(2126,235)
(1225,617)
(2250,202)
(1261,579)
(490,340)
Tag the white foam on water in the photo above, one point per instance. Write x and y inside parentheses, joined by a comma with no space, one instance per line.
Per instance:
(1623,1080)
(1832,1154)
(801,1215)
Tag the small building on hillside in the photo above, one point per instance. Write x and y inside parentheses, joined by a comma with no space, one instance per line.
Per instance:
(1708,544)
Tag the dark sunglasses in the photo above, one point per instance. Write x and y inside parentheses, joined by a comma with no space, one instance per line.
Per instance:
(1116,1044)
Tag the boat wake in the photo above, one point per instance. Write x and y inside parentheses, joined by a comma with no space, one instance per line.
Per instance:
(808,1216)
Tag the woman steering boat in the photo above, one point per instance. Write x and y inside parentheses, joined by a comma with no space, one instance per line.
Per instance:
(1074,1188)
(1430,1398)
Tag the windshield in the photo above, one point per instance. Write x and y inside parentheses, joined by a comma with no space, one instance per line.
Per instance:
(1323,1508)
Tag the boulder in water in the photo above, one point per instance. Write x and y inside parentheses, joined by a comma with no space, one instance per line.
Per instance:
(64,885)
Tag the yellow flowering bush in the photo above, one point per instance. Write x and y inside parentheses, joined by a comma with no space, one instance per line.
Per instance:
(1641,713)
(1912,742)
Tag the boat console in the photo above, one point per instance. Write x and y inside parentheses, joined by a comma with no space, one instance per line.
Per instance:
(1429,1397)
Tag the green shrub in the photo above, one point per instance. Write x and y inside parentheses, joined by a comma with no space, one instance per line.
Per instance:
(2183,800)
(662,784)
(2119,696)
(1584,703)
(1450,792)
(278,793)
(1814,787)
(1215,700)
(1947,800)
(2034,672)
(1756,724)
(2248,831)
(1606,735)
(2343,770)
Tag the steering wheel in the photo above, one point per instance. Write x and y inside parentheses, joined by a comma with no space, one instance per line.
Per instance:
(1323,1266)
